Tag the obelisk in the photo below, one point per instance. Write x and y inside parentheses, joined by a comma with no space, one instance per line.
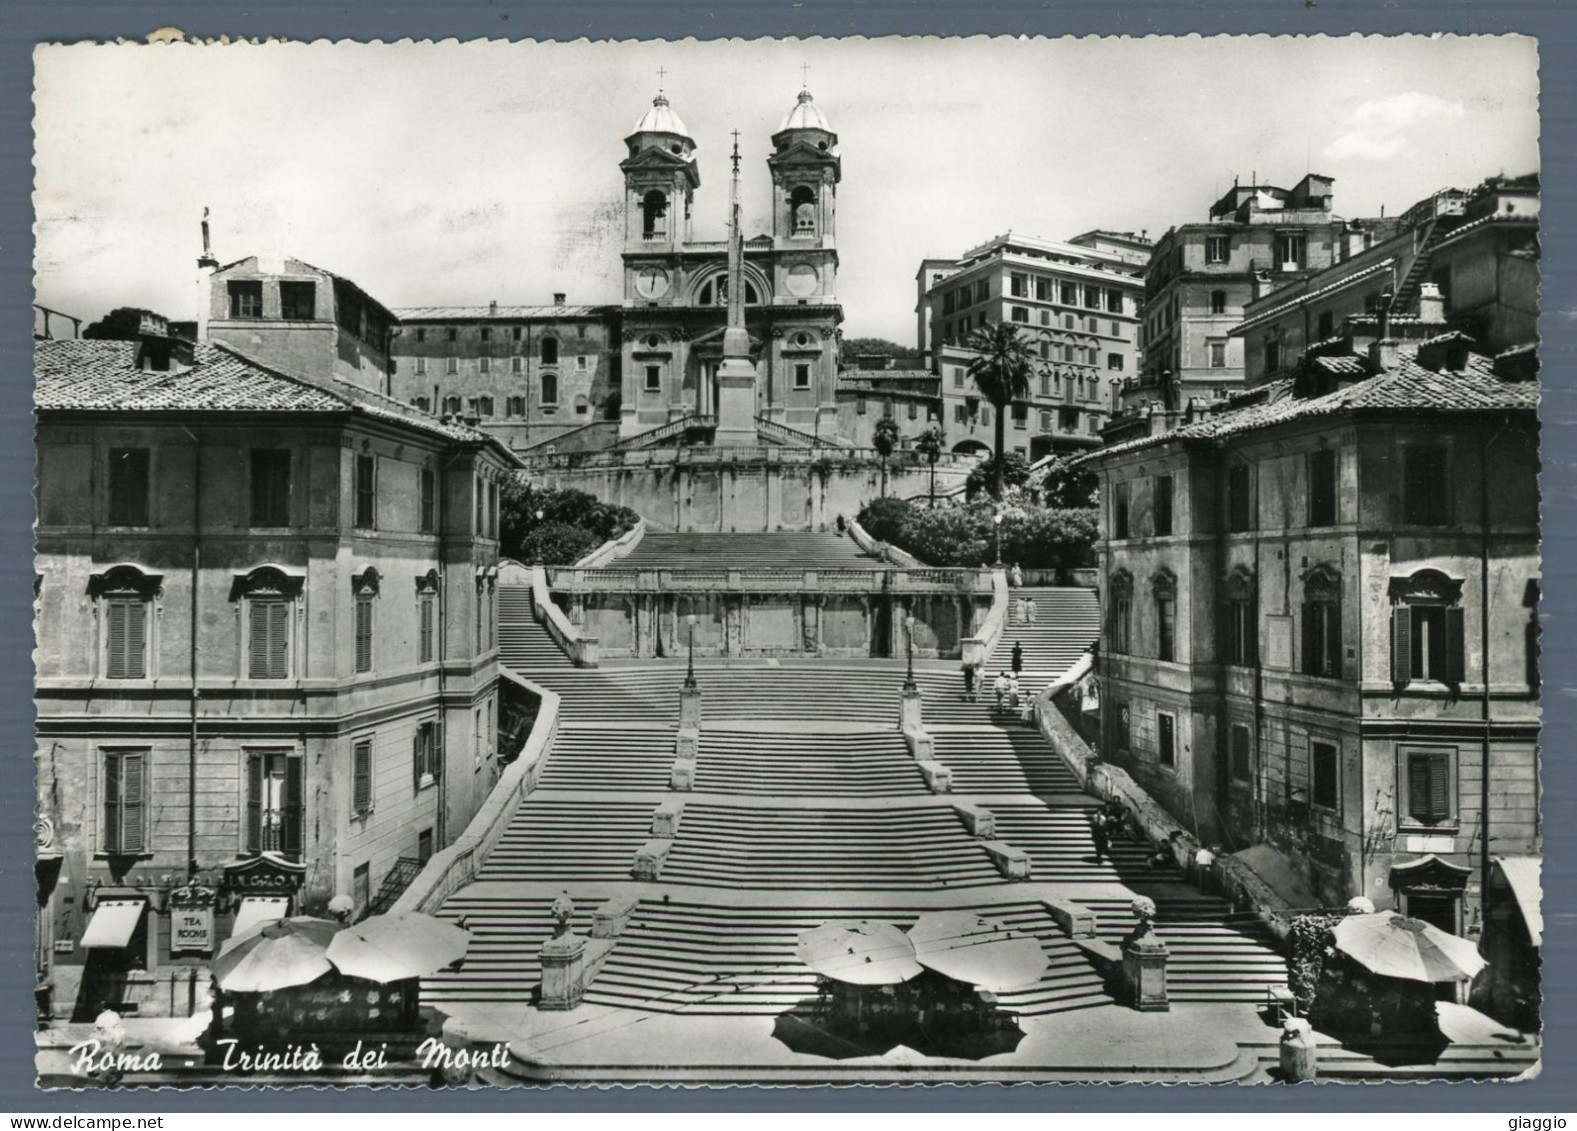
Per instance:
(736,376)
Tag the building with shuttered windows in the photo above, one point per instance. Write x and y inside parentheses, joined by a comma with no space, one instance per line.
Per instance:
(1321,620)
(282,584)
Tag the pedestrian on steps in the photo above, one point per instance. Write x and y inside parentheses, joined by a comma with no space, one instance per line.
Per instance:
(1013,692)
(1029,610)
(969,684)
(1100,832)
(1001,688)
(1016,577)
(1018,658)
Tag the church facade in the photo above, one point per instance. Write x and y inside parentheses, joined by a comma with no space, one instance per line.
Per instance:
(676,288)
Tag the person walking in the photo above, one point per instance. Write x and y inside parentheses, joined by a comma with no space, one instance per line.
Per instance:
(1001,688)
(1101,834)
(1018,658)
(1029,610)
(1016,577)
(969,684)
(1013,692)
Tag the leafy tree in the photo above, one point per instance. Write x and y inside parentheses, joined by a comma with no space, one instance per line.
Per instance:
(885,519)
(929,444)
(1012,470)
(885,440)
(965,535)
(1062,486)
(855,347)
(1001,368)
(119,325)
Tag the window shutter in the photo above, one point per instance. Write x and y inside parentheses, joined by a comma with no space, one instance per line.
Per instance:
(278,623)
(437,751)
(363,635)
(1456,651)
(1401,644)
(416,758)
(361,773)
(1418,782)
(112,814)
(136,614)
(1439,787)
(257,613)
(133,786)
(290,833)
(1251,632)
(1333,628)
(254,803)
(1310,639)
(115,650)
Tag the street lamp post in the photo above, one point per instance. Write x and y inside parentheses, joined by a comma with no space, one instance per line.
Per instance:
(996,520)
(689,675)
(908,683)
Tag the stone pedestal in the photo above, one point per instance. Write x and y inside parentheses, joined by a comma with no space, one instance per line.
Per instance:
(682,776)
(909,711)
(980,822)
(1013,863)
(736,393)
(1144,973)
(689,708)
(609,920)
(563,972)
(666,817)
(1299,1053)
(938,778)
(650,858)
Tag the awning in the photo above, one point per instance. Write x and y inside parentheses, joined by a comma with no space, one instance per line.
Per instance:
(1522,876)
(113,923)
(256,910)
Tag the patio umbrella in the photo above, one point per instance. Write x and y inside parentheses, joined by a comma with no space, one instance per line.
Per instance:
(1395,946)
(968,948)
(864,953)
(275,954)
(388,948)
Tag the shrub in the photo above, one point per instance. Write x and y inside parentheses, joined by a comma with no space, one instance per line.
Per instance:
(556,543)
(521,504)
(964,535)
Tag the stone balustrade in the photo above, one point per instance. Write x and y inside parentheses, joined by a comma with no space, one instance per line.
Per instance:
(616,579)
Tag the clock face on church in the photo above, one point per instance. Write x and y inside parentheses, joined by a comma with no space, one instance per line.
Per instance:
(651,282)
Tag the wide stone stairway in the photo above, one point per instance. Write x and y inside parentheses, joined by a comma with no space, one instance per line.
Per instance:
(804,805)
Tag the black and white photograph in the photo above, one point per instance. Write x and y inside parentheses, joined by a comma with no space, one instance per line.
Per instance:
(790,561)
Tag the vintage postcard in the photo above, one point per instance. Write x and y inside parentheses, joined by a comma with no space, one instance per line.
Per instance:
(787,562)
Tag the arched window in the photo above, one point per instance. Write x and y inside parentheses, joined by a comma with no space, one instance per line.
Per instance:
(1164,586)
(1322,623)
(654,216)
(802,204)
(714,292)
(126,596)
(1119,636)
(1427,629)
(550,388)
(1239,630)
(268,596)
(550,351)
(452,406)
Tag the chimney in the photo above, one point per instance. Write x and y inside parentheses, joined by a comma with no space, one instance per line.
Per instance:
(558,298)
(1446,353)
(1431,304)
(1260,286)
(492,308)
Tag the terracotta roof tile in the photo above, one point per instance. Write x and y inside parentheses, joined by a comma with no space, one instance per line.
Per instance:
(1409,387)
(98,376)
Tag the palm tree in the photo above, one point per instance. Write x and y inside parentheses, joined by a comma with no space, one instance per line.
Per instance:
(929,444)
(885,439)
(1001,370)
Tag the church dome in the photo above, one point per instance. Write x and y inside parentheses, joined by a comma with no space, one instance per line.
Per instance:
(805,116)
(661,119)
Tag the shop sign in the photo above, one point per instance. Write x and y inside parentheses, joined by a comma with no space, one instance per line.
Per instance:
(192,920)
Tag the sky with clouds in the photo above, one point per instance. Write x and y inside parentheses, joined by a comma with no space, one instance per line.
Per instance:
(462,173)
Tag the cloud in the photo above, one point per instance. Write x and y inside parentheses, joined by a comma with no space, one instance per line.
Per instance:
(1382,128)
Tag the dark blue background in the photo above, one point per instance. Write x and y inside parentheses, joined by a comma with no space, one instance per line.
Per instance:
(24,24)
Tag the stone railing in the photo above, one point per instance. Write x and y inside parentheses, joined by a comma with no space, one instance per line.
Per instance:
(783,432)
(898,581)
(582,650)
(903,559)
(978,648)
(452,868)
(615,549)
(711,456)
